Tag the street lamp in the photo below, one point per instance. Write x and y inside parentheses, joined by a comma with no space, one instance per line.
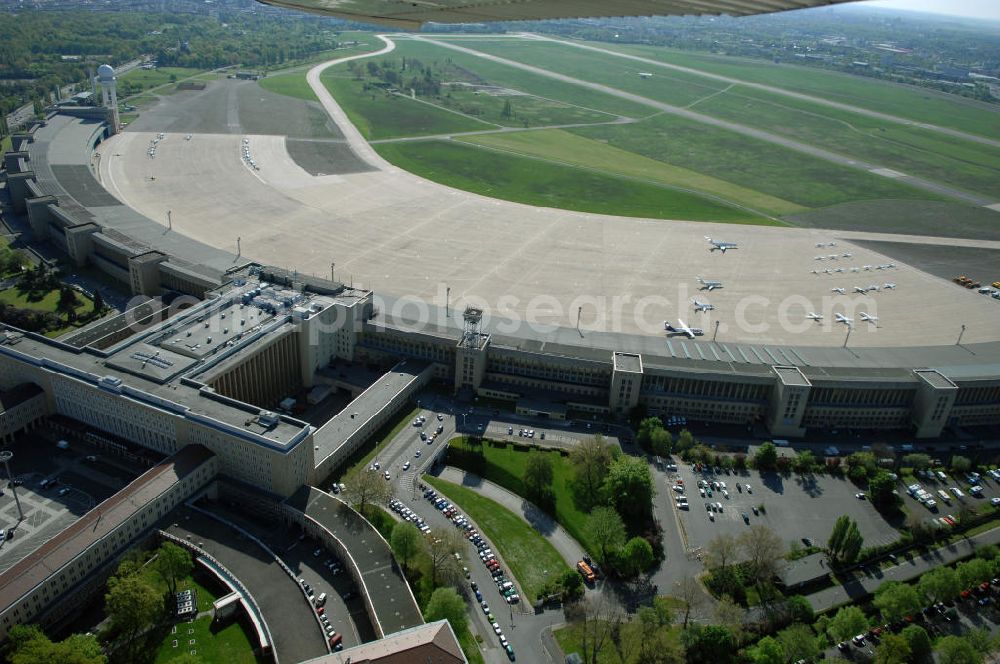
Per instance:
(5,457)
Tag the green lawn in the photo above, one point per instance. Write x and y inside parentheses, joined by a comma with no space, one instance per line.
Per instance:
(569,638)
(545,184)
(568,148)
(378,114)
(533,561)
(292,84)
(230,645)
(45,302)
(506,466)
(140,80)
(749,162)
(906,101)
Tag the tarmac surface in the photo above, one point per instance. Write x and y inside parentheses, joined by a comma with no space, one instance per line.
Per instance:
(408,237)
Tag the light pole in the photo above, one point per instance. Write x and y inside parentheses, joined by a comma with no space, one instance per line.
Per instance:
(959,342)
(5,457)
(849,328)
(447,300)
(716,333)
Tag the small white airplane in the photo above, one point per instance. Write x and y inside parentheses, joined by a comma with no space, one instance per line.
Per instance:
(874,287)
(702,306)
(819,258)
(827,271)
(814,316)
(865,317)
(720,245)
(709,284)
(841,318)
(838,290)
(839,269)
(868,268)
(682,328)
(815,271)
(889,285)
(855,269)
(848,255)
(833,257)
(859,289)
(820,245)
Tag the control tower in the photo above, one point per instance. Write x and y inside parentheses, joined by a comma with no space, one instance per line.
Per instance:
(109,94)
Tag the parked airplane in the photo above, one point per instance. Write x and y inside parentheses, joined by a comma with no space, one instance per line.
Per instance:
(721,246)
(833,257)
(841,318)
(819,258)
(873,287)
(865,317)
(868,268)
(702,306)
(709,284)
(839,269)
(855,269)
(890,286)
(682,328)
(860,289)
(815,316)
(820,245)
(838,290)
(848,255)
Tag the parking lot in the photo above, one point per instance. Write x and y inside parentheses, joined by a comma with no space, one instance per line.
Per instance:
(795,507)
(55,487)
(959,494)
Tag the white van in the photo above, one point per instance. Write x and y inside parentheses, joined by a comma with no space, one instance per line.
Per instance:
(321,600)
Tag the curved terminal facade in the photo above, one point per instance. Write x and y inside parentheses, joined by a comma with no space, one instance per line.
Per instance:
(559,372)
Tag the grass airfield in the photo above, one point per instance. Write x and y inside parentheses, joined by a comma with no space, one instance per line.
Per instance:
(407,235)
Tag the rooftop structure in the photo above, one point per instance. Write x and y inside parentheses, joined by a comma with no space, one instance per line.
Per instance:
(433,643)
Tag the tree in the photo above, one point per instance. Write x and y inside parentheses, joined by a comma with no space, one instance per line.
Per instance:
(364,487)
(173,563)
(597,620)
(644,433)
(630,487)
(572,584)
(917,461)
(765,553)
(441,550)
(845,541)
(661,442)
(98,301)
(961,464)
(799,610)
(919,642)
(690,595)
(805,461)
(405,541)
(848,622)
(538,476)
(893,649)
(685,440)
(29,645)
(981,639)
(67,302)
(591,459)
(973,572)
(896,600)
(132,604)
(721,551)
(767,651)
(636,557)
(730,615)
(940,584)
(799,642)
(709,644)
(766,457)
(881,489)
(655,645)
(957,650)
(607,532)
(445,604)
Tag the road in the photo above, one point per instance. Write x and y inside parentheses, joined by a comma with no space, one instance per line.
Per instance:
(826,155)
(884,117)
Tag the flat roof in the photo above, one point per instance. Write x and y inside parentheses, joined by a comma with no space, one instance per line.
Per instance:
(791,376)
(630,362)
(433,643)
(49,558)
(369,403)
(384,584)
(935,379)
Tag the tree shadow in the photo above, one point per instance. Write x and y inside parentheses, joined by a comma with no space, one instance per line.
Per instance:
(773,481)
(809,485)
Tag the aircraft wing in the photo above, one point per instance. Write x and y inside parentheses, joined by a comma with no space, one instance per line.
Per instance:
(411,14)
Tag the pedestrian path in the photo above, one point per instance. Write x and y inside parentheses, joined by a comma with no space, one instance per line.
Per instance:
(568,548)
